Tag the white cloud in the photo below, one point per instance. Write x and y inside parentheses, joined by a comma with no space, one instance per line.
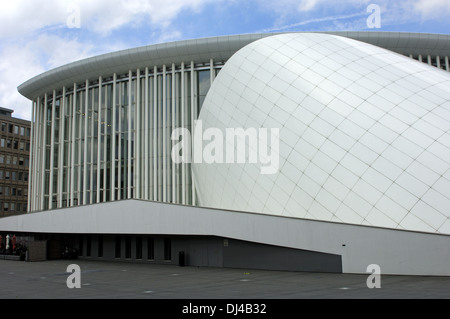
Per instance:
(162,12)
(351,15)
(17,64)
(20,17)
(22,60)
(432,8)
(333,19)
(33,39)
(59,51)
(307,5)
(302,6)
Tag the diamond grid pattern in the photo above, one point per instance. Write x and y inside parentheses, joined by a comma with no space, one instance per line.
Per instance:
(365,133)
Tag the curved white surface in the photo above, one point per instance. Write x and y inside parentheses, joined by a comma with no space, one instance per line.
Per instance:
(364,133)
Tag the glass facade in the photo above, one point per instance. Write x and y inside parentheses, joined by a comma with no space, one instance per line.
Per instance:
(110,139)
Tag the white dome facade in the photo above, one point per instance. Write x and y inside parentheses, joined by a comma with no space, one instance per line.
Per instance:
(364,134)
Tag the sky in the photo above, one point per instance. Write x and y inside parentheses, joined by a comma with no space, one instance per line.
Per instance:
(37,36)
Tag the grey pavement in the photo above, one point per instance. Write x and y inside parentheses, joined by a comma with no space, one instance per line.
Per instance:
(120,280)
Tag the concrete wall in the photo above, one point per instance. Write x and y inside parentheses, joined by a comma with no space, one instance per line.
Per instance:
(199,251)
(240,254)
(37,250)
(210,252)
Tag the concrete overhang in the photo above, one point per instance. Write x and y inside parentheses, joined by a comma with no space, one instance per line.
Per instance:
(396,251)
(201,50)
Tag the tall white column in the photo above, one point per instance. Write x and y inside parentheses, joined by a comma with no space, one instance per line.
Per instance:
(52,151)
(38,155)
(447,64)
(62,127)
(150,138)
(130,136)
(91,138)
(212,71)
(183,125)
(174,115)
(155,135)
(85,162)
(429,60)
(99,138)
(438,61)
(80,136)
(44,151)
(193,118)
(113,140)
(74,140)
(105,144)
(69,148)
(137,134)
(31,159)
(164,128)
(146,132)
(119,144)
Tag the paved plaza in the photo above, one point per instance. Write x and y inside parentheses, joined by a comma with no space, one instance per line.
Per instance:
(120,280)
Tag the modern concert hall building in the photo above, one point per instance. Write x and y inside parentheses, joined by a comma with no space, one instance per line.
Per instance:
(360,167)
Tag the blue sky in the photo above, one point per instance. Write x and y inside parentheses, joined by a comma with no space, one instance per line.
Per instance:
(36,36)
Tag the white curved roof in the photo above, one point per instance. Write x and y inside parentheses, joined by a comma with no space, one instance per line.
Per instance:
(364,133)
(202,50)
